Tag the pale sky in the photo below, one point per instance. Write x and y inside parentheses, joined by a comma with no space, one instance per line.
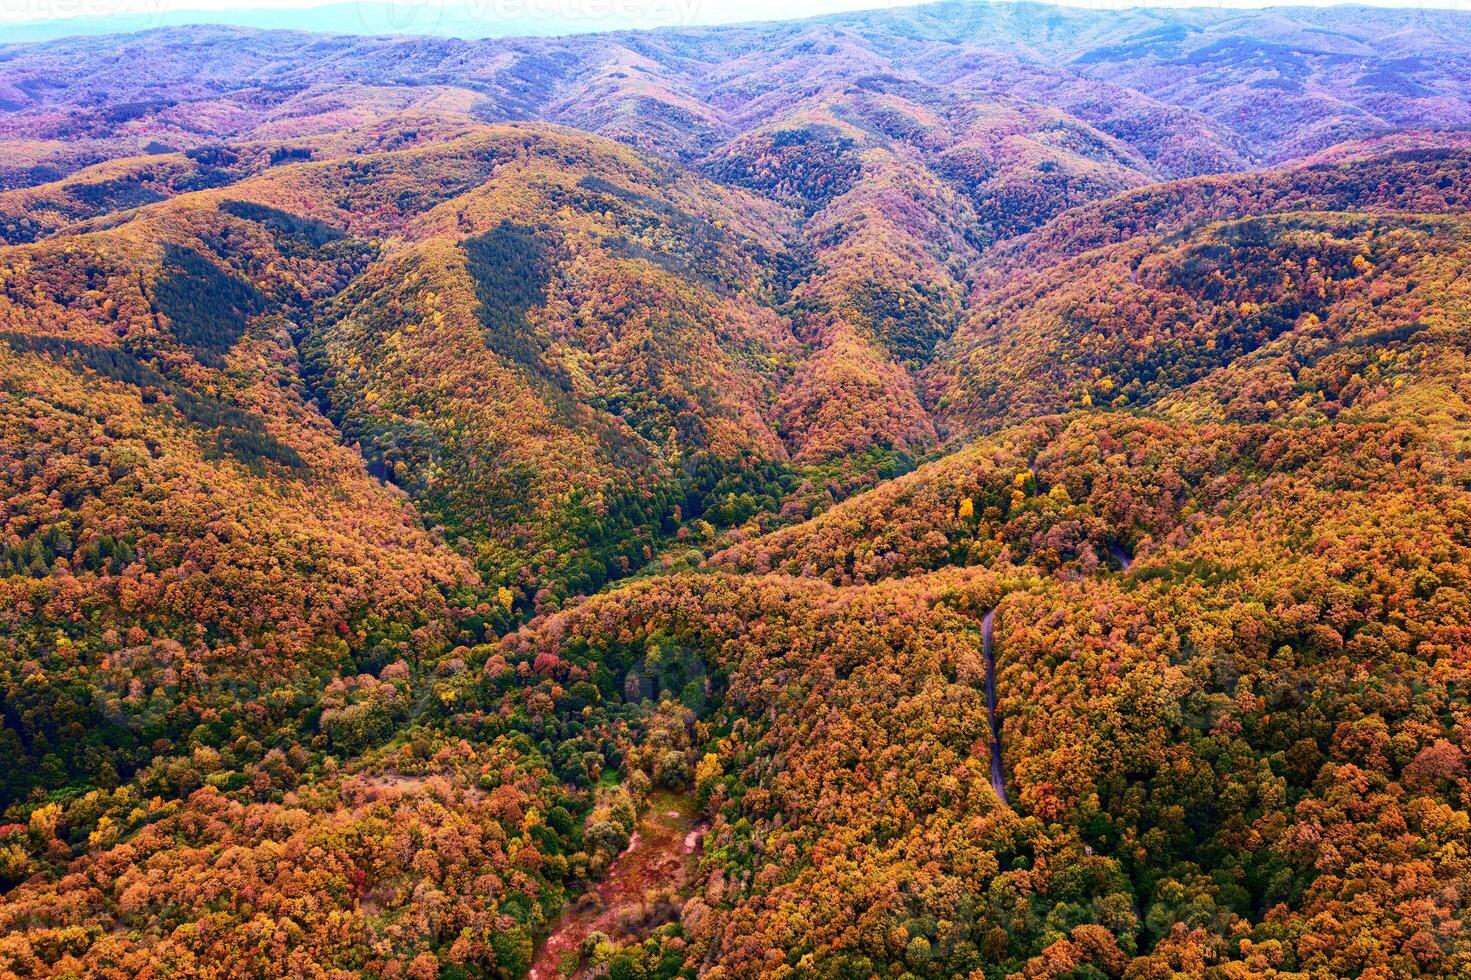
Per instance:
(594,13)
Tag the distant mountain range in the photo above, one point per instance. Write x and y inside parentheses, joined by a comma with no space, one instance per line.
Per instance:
(442,18)
(334,18)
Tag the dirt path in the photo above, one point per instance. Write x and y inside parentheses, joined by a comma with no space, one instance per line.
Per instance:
(998,767)
(645,886)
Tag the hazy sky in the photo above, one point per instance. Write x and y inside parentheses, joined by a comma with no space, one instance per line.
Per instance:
(632,13)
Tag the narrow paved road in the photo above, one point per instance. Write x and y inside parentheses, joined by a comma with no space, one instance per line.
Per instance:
(998,768)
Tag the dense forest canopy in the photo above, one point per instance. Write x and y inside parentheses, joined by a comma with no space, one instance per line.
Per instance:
(996,477)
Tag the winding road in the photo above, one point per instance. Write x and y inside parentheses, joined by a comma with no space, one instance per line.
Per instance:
(998,767)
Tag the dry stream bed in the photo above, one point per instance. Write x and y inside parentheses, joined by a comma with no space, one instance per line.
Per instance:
(645,886)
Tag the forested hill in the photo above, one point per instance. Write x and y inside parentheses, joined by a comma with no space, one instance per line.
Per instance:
(1003,468)
(1161,93)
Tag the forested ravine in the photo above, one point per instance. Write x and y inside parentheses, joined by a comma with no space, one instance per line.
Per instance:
(645,887)
(998,767)
(1122,556)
